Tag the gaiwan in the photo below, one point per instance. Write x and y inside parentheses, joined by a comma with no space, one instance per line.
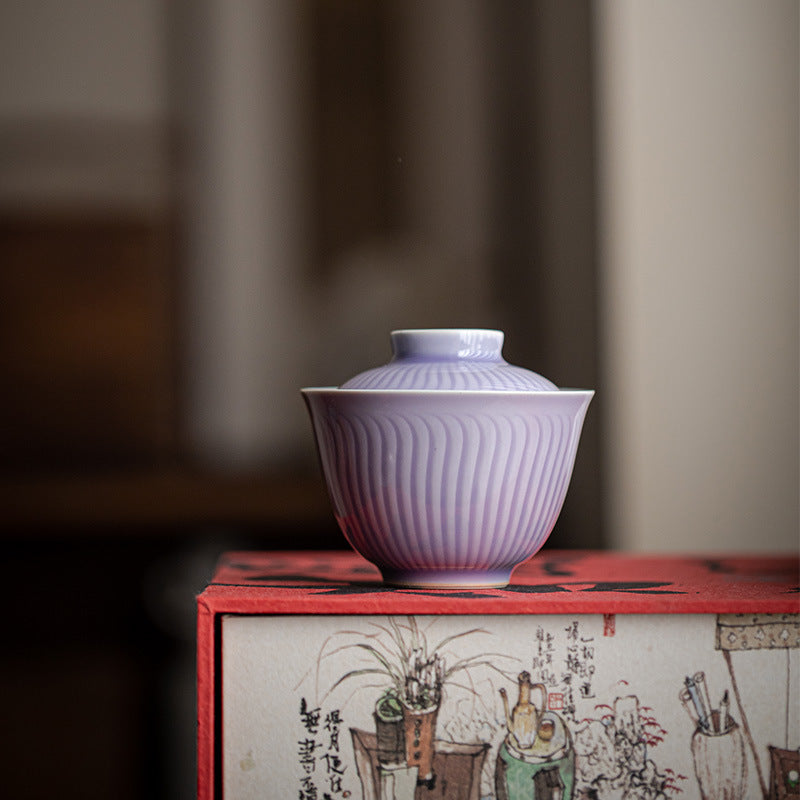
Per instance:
(447,466)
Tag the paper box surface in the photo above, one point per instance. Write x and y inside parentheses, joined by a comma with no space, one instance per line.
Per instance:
(592,675)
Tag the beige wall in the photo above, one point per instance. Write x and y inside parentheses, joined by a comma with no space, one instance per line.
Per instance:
(698,115)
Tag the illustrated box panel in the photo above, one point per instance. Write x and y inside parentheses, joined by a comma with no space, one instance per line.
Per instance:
(590,676)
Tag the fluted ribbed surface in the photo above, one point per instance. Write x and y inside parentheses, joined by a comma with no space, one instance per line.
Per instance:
(466,376)
(447,486)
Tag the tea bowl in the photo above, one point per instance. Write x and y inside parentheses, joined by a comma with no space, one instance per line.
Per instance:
(447,487)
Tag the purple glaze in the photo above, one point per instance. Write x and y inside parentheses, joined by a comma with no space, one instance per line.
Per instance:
(447,488)
(466,359)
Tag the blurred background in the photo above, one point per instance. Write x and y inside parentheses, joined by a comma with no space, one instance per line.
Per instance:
(207,204)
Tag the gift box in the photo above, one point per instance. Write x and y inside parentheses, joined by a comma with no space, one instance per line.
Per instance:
(592,675)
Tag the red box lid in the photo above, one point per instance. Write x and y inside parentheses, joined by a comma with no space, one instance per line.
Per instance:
(552,582)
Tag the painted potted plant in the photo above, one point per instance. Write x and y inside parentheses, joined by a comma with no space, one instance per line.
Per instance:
(417,676)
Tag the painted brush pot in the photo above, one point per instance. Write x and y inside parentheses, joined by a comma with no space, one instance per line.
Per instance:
(447,466)
(719,762)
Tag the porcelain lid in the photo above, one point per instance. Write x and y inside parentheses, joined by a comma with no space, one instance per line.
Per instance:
(465,359)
